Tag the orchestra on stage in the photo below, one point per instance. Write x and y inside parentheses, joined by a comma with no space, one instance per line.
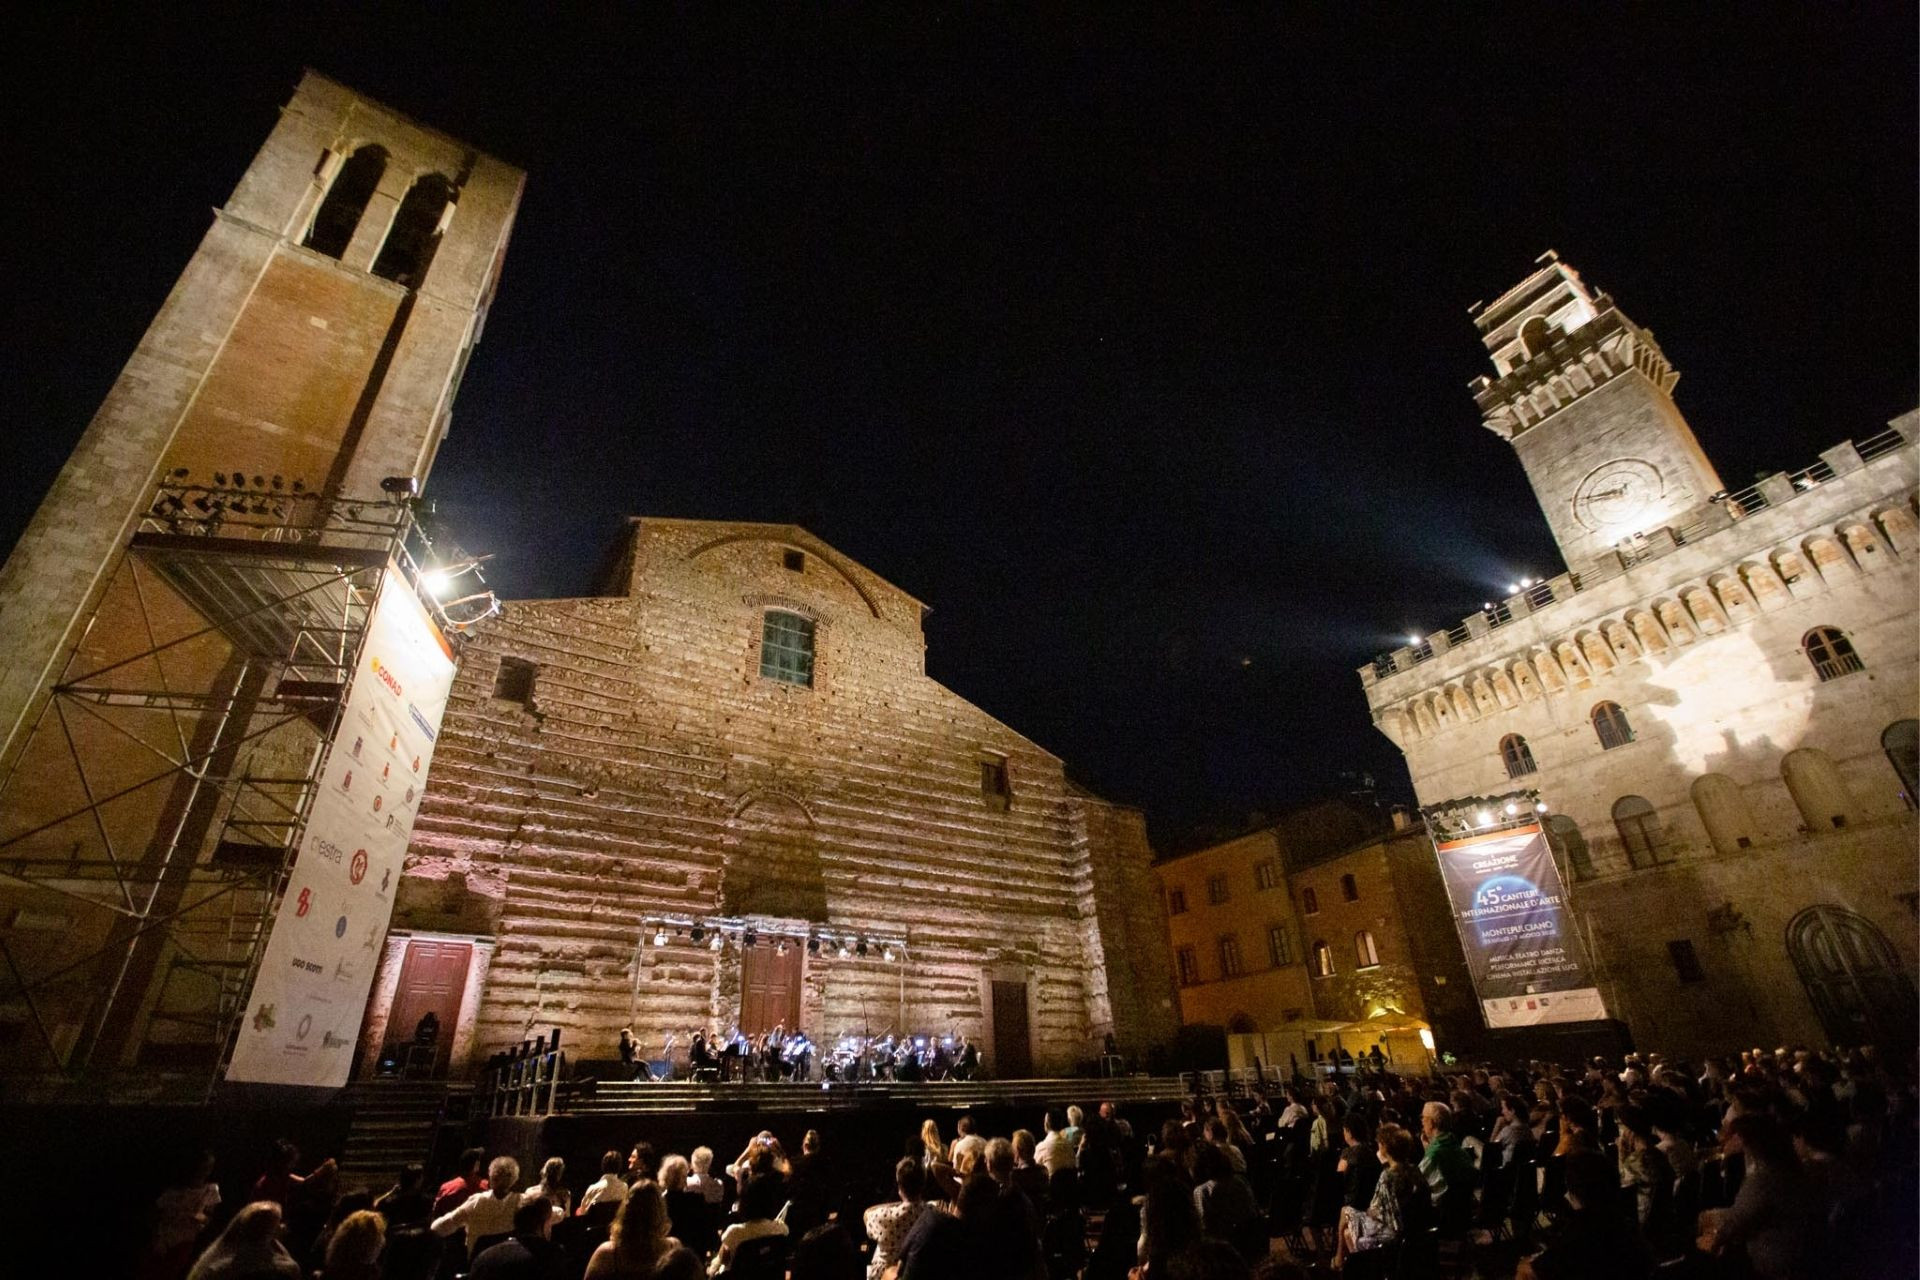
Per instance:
(779,1055)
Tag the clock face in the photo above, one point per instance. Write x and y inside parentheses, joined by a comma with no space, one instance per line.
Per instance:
(1616,494)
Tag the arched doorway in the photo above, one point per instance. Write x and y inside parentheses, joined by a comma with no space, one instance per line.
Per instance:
(1856,980)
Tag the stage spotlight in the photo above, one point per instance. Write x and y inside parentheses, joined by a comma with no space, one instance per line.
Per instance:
(887,955)
(400,486)
(862,948)
(1485,818)
(719,941)
(699,934)
(660,937)
(845,950)
(748,938)
(1512,808)
(1540,806)
(813,946)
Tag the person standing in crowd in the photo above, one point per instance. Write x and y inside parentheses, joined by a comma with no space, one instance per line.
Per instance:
(889,1224)
(701,1179)
(249,1249)
(641,1237)
(610,1187)
(485,1213)
(553,1188)
(460,1188)
(181,1216)
(527,1254)
(1775,1217)
(406,1203)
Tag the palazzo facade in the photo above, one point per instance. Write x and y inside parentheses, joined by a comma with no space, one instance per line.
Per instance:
(726,793)
(1716,701)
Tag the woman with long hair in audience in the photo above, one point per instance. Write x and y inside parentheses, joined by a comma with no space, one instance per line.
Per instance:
(553,1185)
(641,1237)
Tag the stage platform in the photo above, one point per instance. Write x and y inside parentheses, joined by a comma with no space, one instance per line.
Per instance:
(642,1097)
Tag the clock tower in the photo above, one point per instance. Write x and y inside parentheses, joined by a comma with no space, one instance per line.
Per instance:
(1585,397)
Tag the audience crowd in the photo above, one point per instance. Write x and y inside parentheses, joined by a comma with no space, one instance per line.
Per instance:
(1772,1165)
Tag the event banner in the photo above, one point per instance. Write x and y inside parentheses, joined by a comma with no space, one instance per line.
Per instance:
(1511,910)
(311,990)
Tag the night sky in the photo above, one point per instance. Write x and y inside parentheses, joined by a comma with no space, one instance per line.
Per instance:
(1139,353)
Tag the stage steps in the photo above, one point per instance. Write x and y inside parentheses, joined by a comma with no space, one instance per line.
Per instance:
(394,1124)
(609,1097)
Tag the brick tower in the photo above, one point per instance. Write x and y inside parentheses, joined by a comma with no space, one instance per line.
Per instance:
(307,357)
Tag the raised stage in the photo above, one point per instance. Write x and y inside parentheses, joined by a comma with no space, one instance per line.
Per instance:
(641,1097)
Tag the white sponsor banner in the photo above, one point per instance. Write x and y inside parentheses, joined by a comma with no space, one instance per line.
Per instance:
(305,1009)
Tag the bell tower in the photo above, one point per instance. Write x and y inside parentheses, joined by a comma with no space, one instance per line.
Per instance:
(1585,396)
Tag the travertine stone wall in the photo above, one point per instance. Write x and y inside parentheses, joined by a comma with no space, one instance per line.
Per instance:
(654,770)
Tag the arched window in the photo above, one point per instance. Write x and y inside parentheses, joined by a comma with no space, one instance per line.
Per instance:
(1366,955)
(1516,755)
(415,233)
(339,213)
(1723,811)
(1610,723)
(1309,902)
(1814,783)
(786,647)
(1349,888)
(1640,831)
(1322,959)
(1831,653)
(1901,742)
(1535,336)
(1565,832)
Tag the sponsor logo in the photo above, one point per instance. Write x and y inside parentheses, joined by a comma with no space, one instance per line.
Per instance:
(346,780)
(385,674)
(325,848)
(357,870)
(304,903)
(357,744)
(343,972)
(328,1040)
(393,743)
(373,937)
(377,802)
(386,878)
(340,927)
(408,799)
(425,728)
(263,1018)
(308,966)
(393,822)
(385,770)
(416,764)
(305,1028)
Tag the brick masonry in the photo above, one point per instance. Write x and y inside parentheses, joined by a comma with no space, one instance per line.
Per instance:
(655,771)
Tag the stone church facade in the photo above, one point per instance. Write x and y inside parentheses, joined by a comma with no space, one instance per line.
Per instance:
(1716,702)
(726,792)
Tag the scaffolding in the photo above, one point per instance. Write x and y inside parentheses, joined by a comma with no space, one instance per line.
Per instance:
(149,822)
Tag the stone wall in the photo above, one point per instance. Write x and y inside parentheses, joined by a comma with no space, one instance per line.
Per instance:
(653,771)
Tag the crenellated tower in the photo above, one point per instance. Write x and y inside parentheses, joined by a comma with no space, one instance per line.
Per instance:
(1585,396)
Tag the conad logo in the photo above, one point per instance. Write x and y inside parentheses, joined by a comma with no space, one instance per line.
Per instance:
(386,677)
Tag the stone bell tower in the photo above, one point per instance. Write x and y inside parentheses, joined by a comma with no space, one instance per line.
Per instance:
(317,337)
(1585,397)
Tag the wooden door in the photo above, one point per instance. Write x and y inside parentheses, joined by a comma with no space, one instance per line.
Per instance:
(433,978)
(1012,1047)
(769,989)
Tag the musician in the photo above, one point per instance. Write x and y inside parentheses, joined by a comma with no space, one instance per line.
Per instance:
(700,1057)
(967,1063)
(629,1053)
(772,1063)
(730,1055)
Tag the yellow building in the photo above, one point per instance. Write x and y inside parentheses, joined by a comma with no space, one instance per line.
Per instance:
(1328,928)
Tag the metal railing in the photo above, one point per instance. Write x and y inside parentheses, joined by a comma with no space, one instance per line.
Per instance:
(525,1083)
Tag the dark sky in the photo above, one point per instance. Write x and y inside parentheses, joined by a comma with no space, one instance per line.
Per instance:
(1140,353)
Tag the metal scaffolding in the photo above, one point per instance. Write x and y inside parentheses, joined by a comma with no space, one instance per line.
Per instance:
(148,825)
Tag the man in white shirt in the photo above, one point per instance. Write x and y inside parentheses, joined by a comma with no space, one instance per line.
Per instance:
(610,1188)
(485,1213)
(1055,1151)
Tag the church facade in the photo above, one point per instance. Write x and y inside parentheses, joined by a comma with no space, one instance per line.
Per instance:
(726,793)
(1716,702)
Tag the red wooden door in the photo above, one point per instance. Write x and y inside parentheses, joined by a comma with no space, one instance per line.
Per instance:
(433,978)
(1012,1047)
(769,989)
